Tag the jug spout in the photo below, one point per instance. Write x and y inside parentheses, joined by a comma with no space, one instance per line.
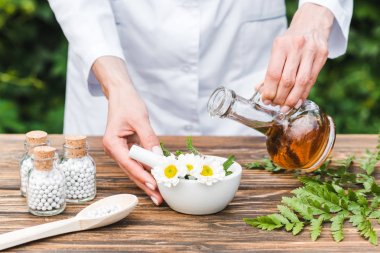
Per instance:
(225,103)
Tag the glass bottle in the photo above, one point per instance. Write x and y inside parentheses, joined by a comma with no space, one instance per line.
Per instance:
(32,140)
(299,139)
(79,169)
(46,187)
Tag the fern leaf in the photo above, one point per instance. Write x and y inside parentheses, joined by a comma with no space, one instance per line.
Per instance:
(364,227)
(321,195)
(287,213)
(316,207)
(347,162)
(297,228)
(375,214)
(289,226)
(264,222)
(368,161)
(316,228)
(337,226)
(296,205)
(265,164)
(373,237)
(375,202)
(279,218)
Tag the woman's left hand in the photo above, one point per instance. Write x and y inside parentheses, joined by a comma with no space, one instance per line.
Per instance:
(297,57)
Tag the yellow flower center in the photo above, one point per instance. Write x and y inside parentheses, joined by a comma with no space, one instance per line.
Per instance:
(170,171)
(207,171)
(189,167)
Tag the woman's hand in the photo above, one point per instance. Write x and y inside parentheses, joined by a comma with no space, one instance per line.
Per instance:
(127,123)
(297,57)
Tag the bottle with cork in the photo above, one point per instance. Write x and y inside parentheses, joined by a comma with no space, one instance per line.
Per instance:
(46,187)
(79,169)
(32,140)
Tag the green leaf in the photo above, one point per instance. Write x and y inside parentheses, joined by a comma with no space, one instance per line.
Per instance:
(347,162)
(375,214)
(316,228)
(320,194)
(337,226)
(265,164)
(289,226)
(227,164)
(264,222)
(190,147)
(178,153)
(279,218)
(368,161)
(375,202)
(297,228)
(296,205)
(373,237)
(287,213)
(164,150)
(364,227)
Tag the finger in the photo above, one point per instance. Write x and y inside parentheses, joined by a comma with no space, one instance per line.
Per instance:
(118,149)
(148,138)
(133,140)
(302,80)
(288,78)
(153,194)
(319,62)
(274,72)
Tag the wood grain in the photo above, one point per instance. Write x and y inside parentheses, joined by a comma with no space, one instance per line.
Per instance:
(159,229)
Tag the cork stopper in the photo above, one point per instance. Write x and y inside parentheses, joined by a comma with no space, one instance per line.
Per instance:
(43,157)
(75,146)
(36,137)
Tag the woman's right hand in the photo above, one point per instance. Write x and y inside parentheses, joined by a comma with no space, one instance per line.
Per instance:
(127,123)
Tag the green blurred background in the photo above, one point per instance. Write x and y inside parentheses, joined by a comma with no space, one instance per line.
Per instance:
(33,53)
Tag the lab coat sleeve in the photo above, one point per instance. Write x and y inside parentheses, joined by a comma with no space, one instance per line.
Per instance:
(90,28)
(342,10)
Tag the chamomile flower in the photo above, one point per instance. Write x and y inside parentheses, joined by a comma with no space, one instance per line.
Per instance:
(192,163)
(211,171)
(169,172)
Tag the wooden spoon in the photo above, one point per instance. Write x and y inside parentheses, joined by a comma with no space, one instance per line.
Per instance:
(84,220)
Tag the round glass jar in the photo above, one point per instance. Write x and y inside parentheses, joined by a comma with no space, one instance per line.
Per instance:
(32,139)
(79,170)
(47,186)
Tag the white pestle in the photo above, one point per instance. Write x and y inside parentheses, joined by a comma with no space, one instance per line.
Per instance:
(84,220)
(145,156)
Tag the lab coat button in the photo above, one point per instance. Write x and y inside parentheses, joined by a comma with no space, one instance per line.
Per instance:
(186,68)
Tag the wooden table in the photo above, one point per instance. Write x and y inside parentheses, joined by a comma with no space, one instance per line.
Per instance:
(159,229)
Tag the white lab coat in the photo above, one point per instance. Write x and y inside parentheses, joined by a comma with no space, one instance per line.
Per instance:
(177,52)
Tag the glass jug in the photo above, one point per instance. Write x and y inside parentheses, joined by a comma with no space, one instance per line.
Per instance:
(299,139)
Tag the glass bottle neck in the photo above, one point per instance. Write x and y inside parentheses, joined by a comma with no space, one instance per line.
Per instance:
(252,112)
(45,165)
(74,152)
(28,147)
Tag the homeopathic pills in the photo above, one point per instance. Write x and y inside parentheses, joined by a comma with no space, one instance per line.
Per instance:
(32,140)
(79,170)
(46,190)
(103,211)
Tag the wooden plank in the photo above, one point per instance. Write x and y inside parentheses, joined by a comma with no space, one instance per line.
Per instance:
(159,229)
